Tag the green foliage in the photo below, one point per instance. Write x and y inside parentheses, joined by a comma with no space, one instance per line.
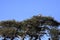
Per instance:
(8,32)
(31,26)
(54,31)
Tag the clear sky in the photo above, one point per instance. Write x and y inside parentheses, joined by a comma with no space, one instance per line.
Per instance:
(23,9)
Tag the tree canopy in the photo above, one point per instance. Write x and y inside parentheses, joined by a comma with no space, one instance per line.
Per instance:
(34,27)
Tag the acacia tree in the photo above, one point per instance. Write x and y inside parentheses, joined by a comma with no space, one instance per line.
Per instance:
(34,27)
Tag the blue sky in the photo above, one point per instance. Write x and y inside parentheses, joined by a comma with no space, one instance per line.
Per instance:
(23,9)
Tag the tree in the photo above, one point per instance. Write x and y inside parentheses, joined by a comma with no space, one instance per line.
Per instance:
(8,32)
(34,27)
